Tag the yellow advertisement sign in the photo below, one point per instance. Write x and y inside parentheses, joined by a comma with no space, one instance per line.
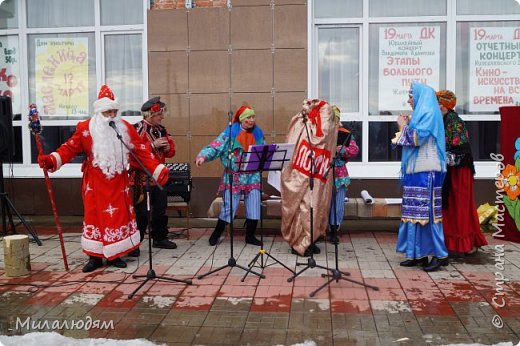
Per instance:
(61,68)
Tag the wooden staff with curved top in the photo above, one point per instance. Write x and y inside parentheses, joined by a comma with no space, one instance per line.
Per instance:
(36,129)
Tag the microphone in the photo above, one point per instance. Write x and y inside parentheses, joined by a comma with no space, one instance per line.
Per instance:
(112,124)
(230,116)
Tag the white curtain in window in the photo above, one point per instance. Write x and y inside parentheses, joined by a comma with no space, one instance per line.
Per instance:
(121,12)
(338,8)
(59,13)
(124,70)
(406,8)
(338,67)
(488,7)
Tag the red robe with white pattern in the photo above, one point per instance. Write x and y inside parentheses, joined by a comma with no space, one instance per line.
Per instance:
(109,227)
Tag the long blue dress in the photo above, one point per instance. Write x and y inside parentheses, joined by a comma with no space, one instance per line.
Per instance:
(423,167)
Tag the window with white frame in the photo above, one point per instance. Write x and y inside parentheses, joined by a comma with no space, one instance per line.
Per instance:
(56,53)
(445,44)
(124,70)
(338,72)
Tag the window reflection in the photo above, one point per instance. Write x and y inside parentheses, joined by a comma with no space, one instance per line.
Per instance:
(379,136)
(487,7)
(124,70)
(59,13)
(338,8)
(8,14)
(127,12)
(484,138)
(338,67)
(404,8)
(52,137)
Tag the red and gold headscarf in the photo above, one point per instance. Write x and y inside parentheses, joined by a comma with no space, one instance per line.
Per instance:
(447,98)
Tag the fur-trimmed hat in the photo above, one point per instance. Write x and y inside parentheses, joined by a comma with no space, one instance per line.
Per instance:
(106,100)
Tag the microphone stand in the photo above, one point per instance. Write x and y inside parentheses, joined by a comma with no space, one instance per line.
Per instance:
(150,275)
(232,262)
(337,274)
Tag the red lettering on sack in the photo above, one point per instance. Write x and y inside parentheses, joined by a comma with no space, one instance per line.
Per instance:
(303,161)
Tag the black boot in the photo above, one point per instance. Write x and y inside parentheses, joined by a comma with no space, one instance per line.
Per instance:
(435,264)
(92,264)
(117,262)
(217,232)
(250,232)
(412,262)
(333,236)
(160,234)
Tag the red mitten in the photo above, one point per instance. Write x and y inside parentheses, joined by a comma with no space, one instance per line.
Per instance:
(163,176)
(47,161)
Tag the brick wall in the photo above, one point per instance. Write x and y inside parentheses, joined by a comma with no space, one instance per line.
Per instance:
(169,4)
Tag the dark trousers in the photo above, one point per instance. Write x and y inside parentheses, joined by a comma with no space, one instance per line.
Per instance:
(159,224)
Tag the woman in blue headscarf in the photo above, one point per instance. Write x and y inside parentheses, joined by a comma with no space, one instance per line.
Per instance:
(423,167)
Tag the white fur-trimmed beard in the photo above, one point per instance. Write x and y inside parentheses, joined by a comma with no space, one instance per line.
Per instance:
(109,154)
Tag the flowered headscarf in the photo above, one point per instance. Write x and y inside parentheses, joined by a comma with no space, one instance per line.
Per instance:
(447,98)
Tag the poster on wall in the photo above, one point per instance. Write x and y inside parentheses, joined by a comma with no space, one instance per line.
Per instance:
(10,70)
(494,62)
(61,66)
(406,54)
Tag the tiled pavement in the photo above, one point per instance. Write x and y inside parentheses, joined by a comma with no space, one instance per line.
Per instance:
(411,307)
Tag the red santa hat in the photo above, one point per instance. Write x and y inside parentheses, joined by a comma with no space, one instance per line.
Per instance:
(106,100)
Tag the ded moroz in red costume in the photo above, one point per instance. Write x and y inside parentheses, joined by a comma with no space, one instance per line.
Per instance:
(109,227)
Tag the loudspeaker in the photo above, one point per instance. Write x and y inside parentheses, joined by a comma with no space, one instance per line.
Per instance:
(6,130)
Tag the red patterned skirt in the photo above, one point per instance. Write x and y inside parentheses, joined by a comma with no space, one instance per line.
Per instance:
(460,219)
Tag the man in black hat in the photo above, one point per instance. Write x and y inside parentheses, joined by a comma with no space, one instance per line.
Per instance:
(162,147)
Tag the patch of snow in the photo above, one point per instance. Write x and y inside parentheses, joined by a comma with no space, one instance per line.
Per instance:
(159,302)
(84,298)
(53,338)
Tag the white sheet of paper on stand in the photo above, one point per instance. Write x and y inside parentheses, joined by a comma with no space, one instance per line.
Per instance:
(274,179)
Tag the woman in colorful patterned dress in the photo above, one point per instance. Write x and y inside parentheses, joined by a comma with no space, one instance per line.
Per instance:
(423,167)
(244,133)
(341,178)
(461,226)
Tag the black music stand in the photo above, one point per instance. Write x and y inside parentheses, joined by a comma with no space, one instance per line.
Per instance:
(337,274)
(232,262)
(266,157)
(8,208)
